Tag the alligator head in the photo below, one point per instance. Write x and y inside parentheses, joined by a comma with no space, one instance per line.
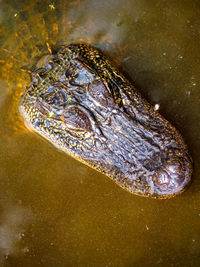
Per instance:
(85,107)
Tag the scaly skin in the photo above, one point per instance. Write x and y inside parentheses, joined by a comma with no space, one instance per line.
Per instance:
(85,107)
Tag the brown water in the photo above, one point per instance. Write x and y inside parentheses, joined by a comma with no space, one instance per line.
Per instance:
(55,211)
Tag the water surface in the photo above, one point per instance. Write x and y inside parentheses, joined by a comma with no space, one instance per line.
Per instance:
(55,211)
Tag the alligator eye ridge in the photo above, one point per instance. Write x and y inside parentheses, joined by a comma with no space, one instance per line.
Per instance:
(85,107)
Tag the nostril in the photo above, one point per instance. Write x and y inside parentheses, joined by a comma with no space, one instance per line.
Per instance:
(163,180)
(174,167)
(177,173)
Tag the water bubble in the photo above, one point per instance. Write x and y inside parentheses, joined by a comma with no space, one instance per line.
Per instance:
(156,107)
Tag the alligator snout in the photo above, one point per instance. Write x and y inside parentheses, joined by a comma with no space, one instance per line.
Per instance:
(172,178)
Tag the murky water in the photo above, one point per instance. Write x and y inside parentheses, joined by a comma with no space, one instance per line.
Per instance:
(55,211)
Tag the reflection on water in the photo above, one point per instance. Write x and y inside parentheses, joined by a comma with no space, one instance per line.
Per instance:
(56,211)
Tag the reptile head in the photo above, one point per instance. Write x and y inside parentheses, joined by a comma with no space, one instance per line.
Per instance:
(61,101)
(85,107)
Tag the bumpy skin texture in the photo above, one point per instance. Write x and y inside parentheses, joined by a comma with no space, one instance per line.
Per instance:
(85,107)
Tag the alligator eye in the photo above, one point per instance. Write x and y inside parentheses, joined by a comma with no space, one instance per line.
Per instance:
(100,93)
(78,74)
(56,96)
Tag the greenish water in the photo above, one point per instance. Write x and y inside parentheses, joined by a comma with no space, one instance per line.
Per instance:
(55,211)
